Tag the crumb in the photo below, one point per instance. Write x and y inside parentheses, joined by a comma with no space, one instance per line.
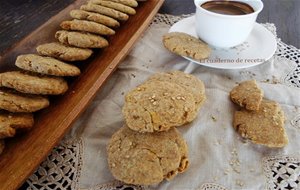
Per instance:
(133,75)
(122,93)
(213,118)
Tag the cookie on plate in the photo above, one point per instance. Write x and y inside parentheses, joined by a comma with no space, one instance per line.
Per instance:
(247,94)
(2,146)
(10,122)
(117,6)
(16,102)
(96,17)
(86,26)
(189,82)
(146,158)
(158,106)
(105,11)
(63,52)
(130,3)
(186,45)
(46,65)
(33,83)
(82,40)
(265,126)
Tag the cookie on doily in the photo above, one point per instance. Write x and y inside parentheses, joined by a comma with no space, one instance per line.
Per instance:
(264,126)
(146,158)
(247,94)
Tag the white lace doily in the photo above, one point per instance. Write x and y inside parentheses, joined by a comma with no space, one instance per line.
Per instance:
(62,168)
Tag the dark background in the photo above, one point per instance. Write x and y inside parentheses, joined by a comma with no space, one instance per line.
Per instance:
(19,17)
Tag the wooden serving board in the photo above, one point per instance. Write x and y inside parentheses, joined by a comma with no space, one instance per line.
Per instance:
(24,153)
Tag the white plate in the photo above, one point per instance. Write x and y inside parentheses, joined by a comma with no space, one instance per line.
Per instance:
(258,48)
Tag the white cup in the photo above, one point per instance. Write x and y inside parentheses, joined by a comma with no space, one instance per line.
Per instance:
(224,31)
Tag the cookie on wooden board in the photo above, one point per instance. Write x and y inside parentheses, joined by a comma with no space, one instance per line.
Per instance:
(117,6)
(10,122)
(146,158)
(264,126)
(63,52)
(131,3)
(17,102)
(33,83)
(187,81)
(86,26)
(247,94)
(96,17)
(186,45)
(46,65)
(105,11)
(158,106)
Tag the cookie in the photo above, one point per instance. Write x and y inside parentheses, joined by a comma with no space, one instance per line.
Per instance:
(116,6)
(146,158)
(130,3)
(63,52)
(186,45)
(82,40)
(96,17)
(33,83)
(158,106)
(16,102)
(264,127)
(10,122)
(46,65)
(105,11)
(189,82)
(247,94)
(2,146)
(87,26)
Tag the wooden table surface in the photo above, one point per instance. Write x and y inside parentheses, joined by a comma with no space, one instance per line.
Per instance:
(19,17)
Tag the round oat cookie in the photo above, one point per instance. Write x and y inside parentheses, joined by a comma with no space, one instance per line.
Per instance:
(17,102)
(2,146)
(33,83)
(186,45)
(189,82)
(158,106)
(46,65)
(265,126)
(146,158)
(130,3)
(117,6)
(10,122)
(247,94)
(80,39)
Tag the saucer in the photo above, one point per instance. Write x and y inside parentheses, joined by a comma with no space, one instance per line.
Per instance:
(259,47)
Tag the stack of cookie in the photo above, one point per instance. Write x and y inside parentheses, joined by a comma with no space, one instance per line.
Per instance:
(24,92)
(149,149)
(259,120)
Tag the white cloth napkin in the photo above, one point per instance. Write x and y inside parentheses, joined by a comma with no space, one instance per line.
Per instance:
(218,155)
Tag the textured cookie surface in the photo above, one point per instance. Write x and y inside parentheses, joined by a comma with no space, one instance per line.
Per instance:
(186,45)
(105,11)
(15,102)
(247,94)
(64,52)
(265,126)
(83,40)
(189,82)
(117,6)
(86,26)
(33,84)
(46,65)
(96,17)
(10,122)
(146,158)
(158,106)
(131,3)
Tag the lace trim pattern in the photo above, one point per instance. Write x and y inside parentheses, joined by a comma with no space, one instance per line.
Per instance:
(296,122)
(61,169)
(116,185)
(283,172)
